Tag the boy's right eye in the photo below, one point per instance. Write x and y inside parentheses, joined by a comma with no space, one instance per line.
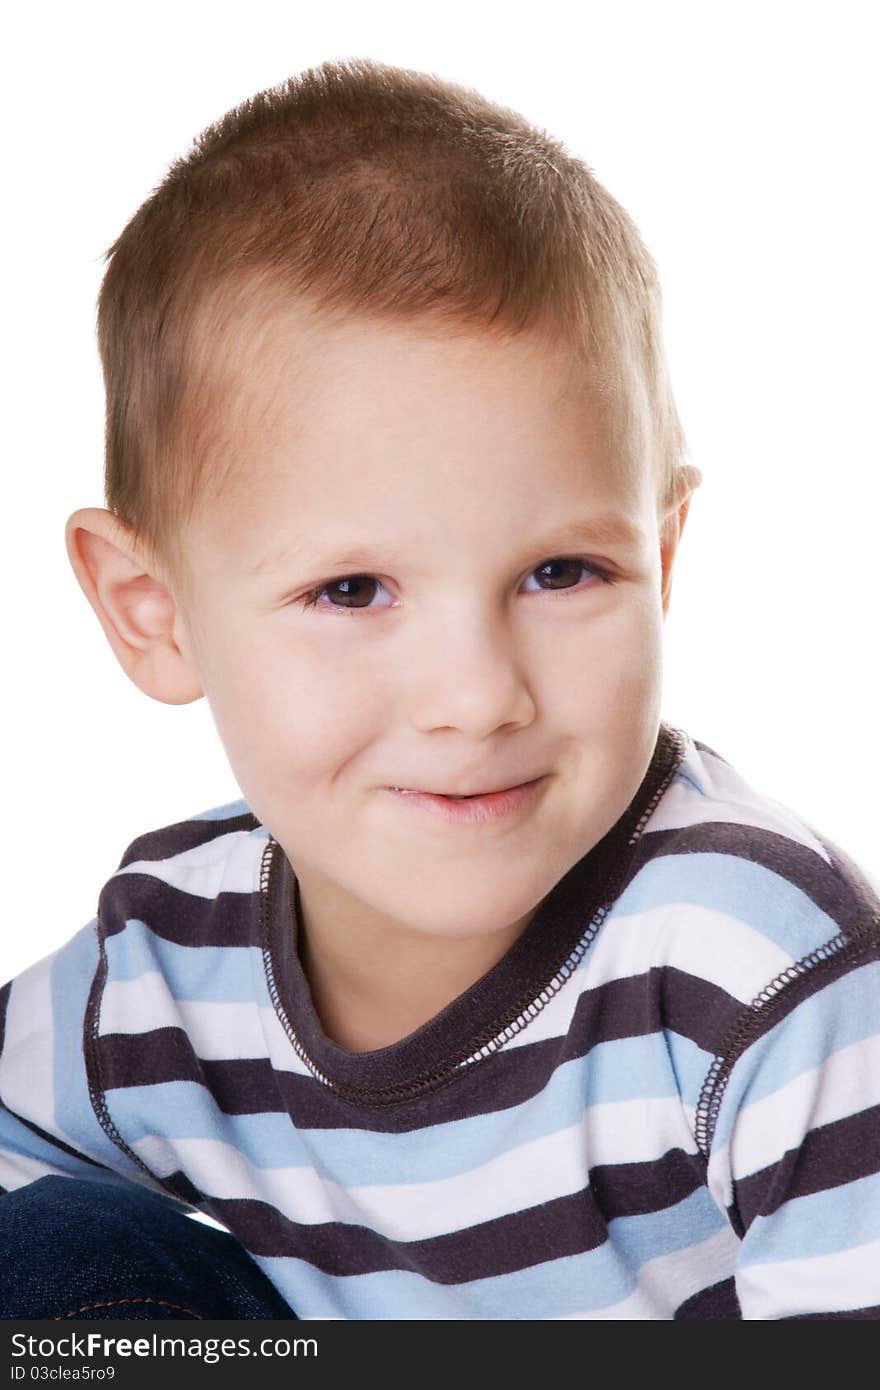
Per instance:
(357,587)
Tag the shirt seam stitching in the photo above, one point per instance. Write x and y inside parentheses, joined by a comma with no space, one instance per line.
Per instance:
(761,1013)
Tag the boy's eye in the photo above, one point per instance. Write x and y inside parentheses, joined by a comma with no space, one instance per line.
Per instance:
(356,590)
(559,572)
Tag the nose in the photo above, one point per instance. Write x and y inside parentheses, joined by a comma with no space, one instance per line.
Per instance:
(471,677)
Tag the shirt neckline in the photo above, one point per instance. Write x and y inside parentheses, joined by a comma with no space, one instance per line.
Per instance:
(505,998)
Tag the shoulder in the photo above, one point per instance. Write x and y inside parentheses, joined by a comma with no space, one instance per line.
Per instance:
(192,880)
(716,842)
(736,908)
(755,929)
(211,826)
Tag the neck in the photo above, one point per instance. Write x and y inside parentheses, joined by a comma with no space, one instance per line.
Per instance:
(371,987)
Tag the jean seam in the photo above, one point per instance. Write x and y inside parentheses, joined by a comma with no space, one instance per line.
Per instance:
(112,1303)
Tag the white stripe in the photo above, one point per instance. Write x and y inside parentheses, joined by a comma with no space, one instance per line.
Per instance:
(227,864)
(540,1171)
(136,1006)
(634,1131)
(708,944)
(669,1280)
(694,939)
(280,1049)
(730,799)
(847,1082)
(17,1170)
(27,1071)
(218,1031)
(846,1280)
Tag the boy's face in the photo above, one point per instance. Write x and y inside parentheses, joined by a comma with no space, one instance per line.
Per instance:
(436,496)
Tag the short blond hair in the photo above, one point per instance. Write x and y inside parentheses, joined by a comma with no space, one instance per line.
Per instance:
(375,191)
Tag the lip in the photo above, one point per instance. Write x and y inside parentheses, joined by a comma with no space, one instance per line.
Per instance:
(476,810)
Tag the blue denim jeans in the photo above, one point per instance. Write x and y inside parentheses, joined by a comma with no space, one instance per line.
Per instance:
(88,1249)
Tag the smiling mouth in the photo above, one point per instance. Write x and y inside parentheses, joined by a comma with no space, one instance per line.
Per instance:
(451,796)
(475,808)
(464,796)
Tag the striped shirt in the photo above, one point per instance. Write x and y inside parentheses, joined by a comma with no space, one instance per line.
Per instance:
(662,1102)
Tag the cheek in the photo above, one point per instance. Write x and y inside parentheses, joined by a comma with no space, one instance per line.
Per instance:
(279,705)
(609,670)
(636,661)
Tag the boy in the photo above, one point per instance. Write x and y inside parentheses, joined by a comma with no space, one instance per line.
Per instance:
(496,996)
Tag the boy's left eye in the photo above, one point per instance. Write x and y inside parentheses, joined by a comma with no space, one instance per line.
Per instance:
(569,565)
(360,587)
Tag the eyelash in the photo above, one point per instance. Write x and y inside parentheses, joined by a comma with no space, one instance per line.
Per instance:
(310,599)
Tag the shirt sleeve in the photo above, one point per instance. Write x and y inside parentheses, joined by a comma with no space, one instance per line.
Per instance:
(795,1156)
(48,1121)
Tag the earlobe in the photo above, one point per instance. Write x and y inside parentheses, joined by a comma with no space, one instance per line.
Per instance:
(136,610)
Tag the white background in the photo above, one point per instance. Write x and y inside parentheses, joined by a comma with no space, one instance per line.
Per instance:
(741,138)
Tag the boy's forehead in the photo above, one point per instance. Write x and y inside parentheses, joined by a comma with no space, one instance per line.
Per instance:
(308,397)
(261,350)
(269,354)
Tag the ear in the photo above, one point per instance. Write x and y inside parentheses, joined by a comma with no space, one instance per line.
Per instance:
(672,526)
(140,616)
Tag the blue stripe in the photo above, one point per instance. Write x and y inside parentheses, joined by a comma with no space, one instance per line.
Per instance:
(71,975)
(643,1238)
(186,1110)
(819,1224)
(690,1064)
(843,1013)
(206,974)
(630,1069)
(732,887)
(559,1288)
(553,1289)
(16,1138)
(687,775)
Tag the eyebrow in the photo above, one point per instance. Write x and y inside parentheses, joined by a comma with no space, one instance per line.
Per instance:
(612,529)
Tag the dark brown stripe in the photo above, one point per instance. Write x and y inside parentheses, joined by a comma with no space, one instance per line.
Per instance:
(239,1086)
(638,1189)
(142,1059)
(244,1086)
(179,1186)
(694,1008)
(830,1156)
(839,890)
(639,1006)
(568,1226)
(775,1002)
(91,1055)
(510,1077)
(4,1005)
(717,1302)
(230,919)
(183,835)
